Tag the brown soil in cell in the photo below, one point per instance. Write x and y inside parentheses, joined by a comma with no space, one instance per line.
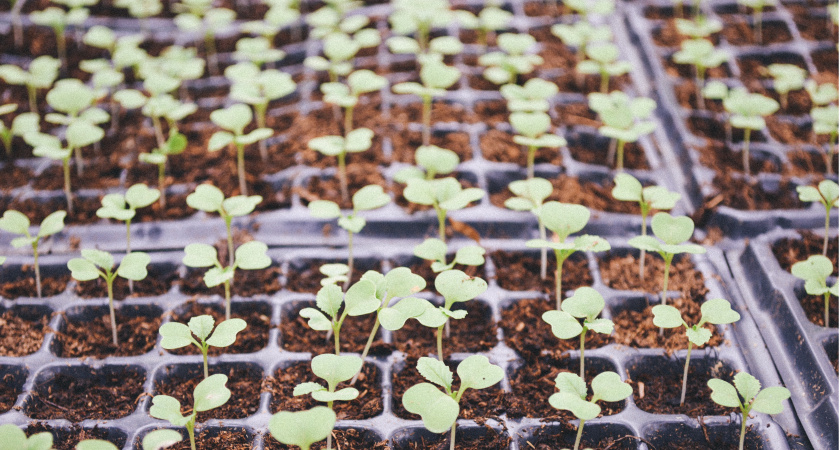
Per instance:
(498,146)
(533,383)
(668,36)
(21,336)
(104,396)
(98,173)
(526,332)
(218,440)
(308,279)
(746,195)
(663,385)
(517,271)
(12,176)
(621,271)
(826,60)
(563,437)
(571,82)
(812,25)
(10,389)
(738,32)
(636,329)
(751,442)
(729,159)
(546,9)
(137,335)
(788,132)
(158,282)
(246,283)
(576,114)
(716,130)
(798,101)
(475,404)
(686,92)
(84,209)
(406,142)
(424,269)
(803,162)
(634,156)
(687,71)
(664,12)
(345,439)
(755,66)
(66,438)
(297,336)
(25,286)
(814,307)
(832,357)
(358,176)
(790,251)
(490,440)
(442,112)
(491,112)
(244,383)
(555,54)
(367,405)
(252,339)
(572,190)
(474,333)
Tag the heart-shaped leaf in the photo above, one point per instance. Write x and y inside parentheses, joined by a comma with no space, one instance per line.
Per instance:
(563,325)
(225,333)
(457,286)
(302,428)
(438,410)
(673,230)
(336,368)
(476,372)
(719,311)
(585,303)
(211,393)
(435,371)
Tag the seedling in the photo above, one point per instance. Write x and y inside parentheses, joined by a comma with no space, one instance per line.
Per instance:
(700,27)
(177,335)
(718,90)
(161,439)
(440,410)
(141,10)
(98,264)
(815,271)
(702,55)
(757,7)
(435,250)
(200,16)
(339,51)
(786,78)
(747,387)
(431,162)
(606,386)
(533,129)
(747,111)
(716,311)
(14,437)
(75,102)
(209,198)
(437,48)
(234,119)
(359,300)
(825,122)
(124,207)
(629,189)
(47,146)
(103,80)
(42,72)
(490,19)
(210,393)
(603,60)
(16,223)
(564,219)
(302,428)
(58,19)
(22,124)
(367,198)
(354,141)
(17,24)
(443,194)
(584,8)
(530,196)
(279,15)
(625,120)
(249,256)
(436,78)
(586,304)
(175,145)
(257,88)
(410,17)
(334,273)
(257,50)
(334,369)
(533,96)
(827,194)
(95,444)
(347,95)
(333,18)
(175,62)
(821,94)
(673,232)
(580,34)
(454,286)
(505,66)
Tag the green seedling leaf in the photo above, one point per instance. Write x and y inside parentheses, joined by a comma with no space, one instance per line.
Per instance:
(168,408)
(770,400)
(564,218)
(719,311)
(361,298)
(724,394)
(302,428)
(436,160)
(206,198)
(563,325)
(471,255)
(585,303)
(95,444)
(161,439)
(476,372)
(329,299)
(747,385)
(252,256)
(133,266)
(315,319)
(400,282)
(393,318)
(344,395)
(435,371)
(98,257)
(202,326)
(666,316)
(438,410)
(175,335)
(14,222)
(307,388)
(199,255)
(211,393)
(82,269)
(370,197)
(324,209)
(15,438)
(457,286)
(241,205)
(225,333)
(51,224)
(672,230)
(431,249)
(140,196)
(336,368)
(608,386)
(217,275)
(530,194)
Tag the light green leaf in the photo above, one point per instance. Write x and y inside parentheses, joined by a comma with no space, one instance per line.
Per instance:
(719,311)
(161,439)
(646,243)
(175,335)
(431,249)
(627,188)
(206,198)
(225,333)
(82,269)
(747,385)
(470,255)
(211,393)
(95,444)
(576,405)
(202,326)
(400,282)
(476,372)
(698,335)
(457,286)
(199,255)
(370,197)
(361,298)
(307,388)
(608,386)
(724,394)
(603,326)
(52,224)
(394,318)
(586,302)
(666,316)
(344,395)
(302,428)
(770,400)
(316,319)
(673,230)
(241,205)
(14,222)
(336,368)
(435,371)
(564,218)
(133,266)
(438,410)
(563,325)
(216,276)
(168,408)
(251,256)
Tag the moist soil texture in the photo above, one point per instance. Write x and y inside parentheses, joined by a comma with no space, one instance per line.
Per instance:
(568,189)
(136,336)
(621,271)
(252,339)
(215,439)
(657,386)
(157,282)
(10,389)
(102,396)
(474,333)
(297,336)
(721,441)
(491,440)
(244,383)
(25,285)
(635,328)
(20,336)
(557,437)
(518,271)
(814,307)
(790,251)
(349,439)
(67,438)
(308,278)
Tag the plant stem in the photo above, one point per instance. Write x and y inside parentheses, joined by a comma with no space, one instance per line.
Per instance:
(204,355)
(348,120)
(543,251)
(440,342)
(349,260)
(109,280)
(336,342)
(7,144)
(452,436)
(191,433)
(67,191)
(441,215)
(228,220)
(427,119)
(582,341)
(367,348)
(210,47)
(605,82)
(61,45)
(558,280)
(128,250)
(77,159)
(240,168)
(32,92)
(37,268)
(827,295)
(825,234)
(744,416)
(161,141)
(696,8)
(342,176)
(227,300)
(668,258)
(701,72)
(532,152)
(579,434)
(260,113)
(620,155)
(746,151)
(161,181)
(685,374)
(642,253)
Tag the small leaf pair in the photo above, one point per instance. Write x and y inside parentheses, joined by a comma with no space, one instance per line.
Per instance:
(177,335)
(585,304)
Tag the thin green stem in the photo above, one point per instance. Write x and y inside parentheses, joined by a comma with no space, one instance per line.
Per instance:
(369,343)
(579,434)
(210,46)
(128,250)
(441,216)
(109,280)
(32,92)
(204,355)
(348,120)
(668,258)
(827,296)
(543,251)
(349,260)
(260,115)
(427,119)
(440,342)
(685,374)
(240,168)
(452,436)
(161,182)
(746,152)
(605,81)
(61,45)
(7,143)
(227,300)
(191,433)
(701,72)
(80,163)
(620,155)
(744,416)
(68,192)
(558,280)
(532,152)
(228,220)
(642,253)
(582,342)
(37,268)
(825,234)
(336,341)
(161,141)
(342,176)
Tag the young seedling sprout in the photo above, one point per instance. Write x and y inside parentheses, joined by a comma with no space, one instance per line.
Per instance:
(580,34)
(533,129)
(703,55)
(411,17)
(824,115)
(506,66)
(141,10)
(436,77)
(606,386)
(815,272)
(95,444)
(257,88)
(347,95)
(22,124)
(603,60)
(718,90)
(586,7)
(699,27)
(490,19)
(786,78)
(533,96)
(565,219)
(16,223)
(74,102)
(365,199)
(58,19)
(177,335)
(302,428)
(279,15)
(339,51)
(440,410)
(758,8)
(530,195)
(124,207)
(359,300)
(826,193)
(14,437)
(435,250)
(333,369)
(443,194)
(210,393)
(716,311)
(747,111)
(747,387)
(334,17)
(673,232)
(234,119)
(175,145)
(98,264)
(161,439)
(209,198)
(257,51)
(586,304)
(249,256)
(354,141)
(41,74)
(629,189)
(200,16)
(625,120)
